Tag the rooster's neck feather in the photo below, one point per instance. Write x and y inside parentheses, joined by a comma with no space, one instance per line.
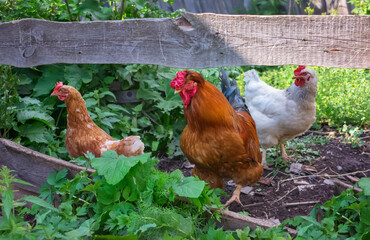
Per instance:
(208,108)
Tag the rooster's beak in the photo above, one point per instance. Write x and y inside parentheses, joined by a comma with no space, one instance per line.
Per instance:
(177,91)
(53,94)
(295,77)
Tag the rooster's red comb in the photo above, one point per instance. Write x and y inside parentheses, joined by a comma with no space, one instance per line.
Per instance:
(179,81)
(57,86)
(299,69)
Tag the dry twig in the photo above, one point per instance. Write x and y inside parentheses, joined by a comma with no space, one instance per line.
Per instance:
(285,195)
(325,175)
(294,204)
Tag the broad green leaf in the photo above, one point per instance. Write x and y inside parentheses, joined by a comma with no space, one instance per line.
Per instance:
(113,167)
(118,108)
(108,194)
(365,215)
(138,108)
(189,187)
(25,115)
(111,237)
(145,227)
(46,83)
(108,93)
(109,79)
(77,75)
(34,132)
(57,179)
(30,101)
(83,231)
(168,105)
(40,202)
(147,94)
(364,183)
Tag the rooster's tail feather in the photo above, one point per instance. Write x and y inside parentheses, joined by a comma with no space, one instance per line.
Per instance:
(232,93)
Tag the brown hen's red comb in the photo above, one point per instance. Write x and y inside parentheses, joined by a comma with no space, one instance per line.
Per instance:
(299,69)
(57,86)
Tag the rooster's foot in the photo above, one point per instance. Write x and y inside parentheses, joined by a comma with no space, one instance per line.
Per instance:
(232,199)
(236,196)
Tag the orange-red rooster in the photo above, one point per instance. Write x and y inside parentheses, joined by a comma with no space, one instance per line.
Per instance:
(221,142)
(83,135)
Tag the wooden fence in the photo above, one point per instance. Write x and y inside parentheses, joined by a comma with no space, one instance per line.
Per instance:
(191,41)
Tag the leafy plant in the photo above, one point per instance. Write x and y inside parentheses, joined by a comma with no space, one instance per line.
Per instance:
(346,216)
(267,7)
(362,7)
(351,136)
(11,223)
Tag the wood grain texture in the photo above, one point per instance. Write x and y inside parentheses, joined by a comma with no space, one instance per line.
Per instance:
(191,41)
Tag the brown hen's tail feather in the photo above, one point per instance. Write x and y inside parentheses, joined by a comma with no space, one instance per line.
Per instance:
(232,93)
(130,146)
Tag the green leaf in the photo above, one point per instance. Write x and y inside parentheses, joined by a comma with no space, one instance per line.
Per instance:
(25,115)
(108,194)
(40,202)
(111,237)
(77,75)
(7,202)
(364,183)
(57,179)
(22,182)
(83,231)
(34,132)
(50,76)
(114,168)
(189,187)
(365,215)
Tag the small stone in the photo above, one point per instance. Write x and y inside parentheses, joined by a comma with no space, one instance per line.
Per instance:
(275,220)
(231,183)
(328,182)
(305,187)
(187,164)
(339,168)
(246,190)
(296,168)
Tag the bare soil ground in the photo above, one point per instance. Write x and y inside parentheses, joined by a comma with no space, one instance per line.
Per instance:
(270,198)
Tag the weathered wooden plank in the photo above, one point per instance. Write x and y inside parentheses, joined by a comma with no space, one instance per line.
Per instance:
(31,166)
(192,41)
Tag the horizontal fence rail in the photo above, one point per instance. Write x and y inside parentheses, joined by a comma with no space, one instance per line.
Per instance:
(191,41)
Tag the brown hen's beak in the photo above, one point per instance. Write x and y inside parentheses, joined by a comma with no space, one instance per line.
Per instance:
(53,94)
(177,91)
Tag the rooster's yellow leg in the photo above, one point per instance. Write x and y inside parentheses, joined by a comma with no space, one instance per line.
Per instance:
(236,196)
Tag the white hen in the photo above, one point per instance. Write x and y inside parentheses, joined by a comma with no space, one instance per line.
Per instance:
(281,115)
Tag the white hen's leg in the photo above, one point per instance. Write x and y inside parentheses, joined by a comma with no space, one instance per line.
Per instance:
(264,163)
(284,155)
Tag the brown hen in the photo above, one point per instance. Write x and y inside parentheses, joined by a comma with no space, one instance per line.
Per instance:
(83,135)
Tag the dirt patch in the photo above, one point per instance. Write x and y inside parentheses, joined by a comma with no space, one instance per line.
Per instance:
(269,200)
